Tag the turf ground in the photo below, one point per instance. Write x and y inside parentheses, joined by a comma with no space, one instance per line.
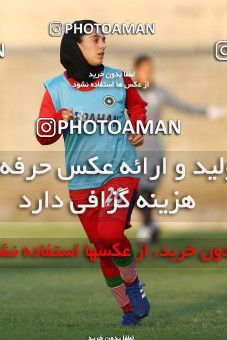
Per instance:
(73,303)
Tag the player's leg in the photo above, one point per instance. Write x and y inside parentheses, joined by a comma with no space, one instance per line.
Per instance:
(110,230)
(117,287)
(111,273)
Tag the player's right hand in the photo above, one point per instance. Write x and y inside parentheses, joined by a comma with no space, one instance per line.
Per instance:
(67,114)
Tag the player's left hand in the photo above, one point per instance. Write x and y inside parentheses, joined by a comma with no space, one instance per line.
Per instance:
(136,140)
(215,112)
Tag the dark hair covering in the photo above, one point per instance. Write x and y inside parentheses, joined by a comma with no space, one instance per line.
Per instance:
(72,58)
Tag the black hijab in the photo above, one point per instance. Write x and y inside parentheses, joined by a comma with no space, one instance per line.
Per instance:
(72,58)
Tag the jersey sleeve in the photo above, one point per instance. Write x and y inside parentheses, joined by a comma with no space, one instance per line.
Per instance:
(48,117)
(134,104)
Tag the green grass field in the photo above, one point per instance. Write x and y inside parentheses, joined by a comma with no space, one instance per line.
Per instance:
(74,303)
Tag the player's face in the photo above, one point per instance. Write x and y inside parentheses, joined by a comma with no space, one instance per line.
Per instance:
(93,46)
(144,72)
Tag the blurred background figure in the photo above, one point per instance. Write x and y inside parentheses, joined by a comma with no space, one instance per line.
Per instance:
(157,97)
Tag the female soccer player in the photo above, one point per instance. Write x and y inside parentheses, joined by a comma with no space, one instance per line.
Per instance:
(81,55)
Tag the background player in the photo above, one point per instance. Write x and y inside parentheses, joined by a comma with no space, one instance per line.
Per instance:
(158,97)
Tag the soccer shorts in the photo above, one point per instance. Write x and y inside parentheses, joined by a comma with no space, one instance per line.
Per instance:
(96,222)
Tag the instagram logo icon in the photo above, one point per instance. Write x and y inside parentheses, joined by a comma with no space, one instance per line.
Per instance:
(46,127)
(221,50)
